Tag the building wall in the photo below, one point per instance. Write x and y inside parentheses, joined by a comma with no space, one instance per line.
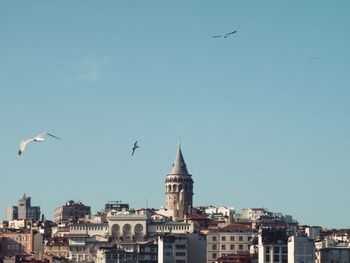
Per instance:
(17,224)
(301,249)
(38,243)
(253,213)
(170,227)
(83,248)
(197,248)
(127,225)
(172,249)
(57,247)
(71,211)
(221,213)
(223,243)
(89,229)
(174,184)
(12,213)
(313,232)
(15,243)
(273,253)
(334,255)
(23,204)
(272,246)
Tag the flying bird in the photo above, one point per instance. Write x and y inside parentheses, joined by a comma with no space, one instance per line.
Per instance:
(226,35)
(134,147)
(231,33)
(38,138)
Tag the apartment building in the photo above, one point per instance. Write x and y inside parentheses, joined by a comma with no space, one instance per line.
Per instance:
(234,238)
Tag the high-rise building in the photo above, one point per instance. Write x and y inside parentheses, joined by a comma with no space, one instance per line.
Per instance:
(179,188)
(12,213)
(24,210)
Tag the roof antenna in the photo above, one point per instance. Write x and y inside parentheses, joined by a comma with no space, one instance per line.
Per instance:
(179,143)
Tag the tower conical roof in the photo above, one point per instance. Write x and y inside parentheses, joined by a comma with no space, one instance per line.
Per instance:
(179,166)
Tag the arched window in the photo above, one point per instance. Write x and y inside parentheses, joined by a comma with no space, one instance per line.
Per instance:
(115,230)
(138,228)
(175,188)
(180,187)
(127,229)
(169,188)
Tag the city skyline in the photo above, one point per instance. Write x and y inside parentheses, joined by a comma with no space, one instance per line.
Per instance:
(263,123)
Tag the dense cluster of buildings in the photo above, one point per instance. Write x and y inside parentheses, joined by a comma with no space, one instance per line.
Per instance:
(176,233)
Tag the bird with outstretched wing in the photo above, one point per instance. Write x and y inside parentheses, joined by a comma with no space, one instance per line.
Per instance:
(134,147)
(37,138)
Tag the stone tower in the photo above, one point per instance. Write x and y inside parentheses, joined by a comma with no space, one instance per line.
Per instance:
(179,188)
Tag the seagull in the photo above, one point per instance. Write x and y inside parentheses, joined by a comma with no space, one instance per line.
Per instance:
(38,138)
(225,36)
(134,147)
(233,32)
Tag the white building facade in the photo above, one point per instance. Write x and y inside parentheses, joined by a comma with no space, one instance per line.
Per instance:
(301,249)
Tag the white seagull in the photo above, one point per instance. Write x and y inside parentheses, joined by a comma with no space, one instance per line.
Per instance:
(134,147)
(38,138)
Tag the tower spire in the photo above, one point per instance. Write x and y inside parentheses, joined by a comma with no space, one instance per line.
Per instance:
(179,166)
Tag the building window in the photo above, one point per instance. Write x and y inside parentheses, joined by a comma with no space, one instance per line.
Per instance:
(232,238)
(127,229)
(240,247)
(276,258)
(214,255)
(276,250)
(284,250)
(223,238)
(240,238)
(214,247)
(180,246)
(223,247)
(267,250)
(267,258)
(232,247)
(214,238)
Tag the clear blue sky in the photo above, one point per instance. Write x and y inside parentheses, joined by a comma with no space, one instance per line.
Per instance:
(261,123)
